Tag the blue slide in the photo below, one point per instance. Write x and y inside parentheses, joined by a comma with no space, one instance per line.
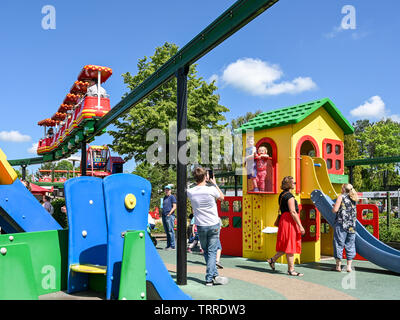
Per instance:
(158,276)
(21,212)
(367,245)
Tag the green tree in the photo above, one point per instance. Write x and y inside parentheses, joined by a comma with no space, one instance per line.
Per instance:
(159,177)
(60,165)
(352,152)
(239,121)
(359,128)
(159,108)
(381,140)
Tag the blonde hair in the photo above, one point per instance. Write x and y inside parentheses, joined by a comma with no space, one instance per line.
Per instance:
(263,148)
(351,191)
(287,183)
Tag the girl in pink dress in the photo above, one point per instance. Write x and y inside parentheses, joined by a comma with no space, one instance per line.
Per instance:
(261,159)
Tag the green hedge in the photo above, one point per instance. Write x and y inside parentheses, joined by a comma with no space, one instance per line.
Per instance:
(59,216)
(393,233)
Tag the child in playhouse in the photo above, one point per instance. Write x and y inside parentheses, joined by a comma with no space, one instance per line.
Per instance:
(261,160)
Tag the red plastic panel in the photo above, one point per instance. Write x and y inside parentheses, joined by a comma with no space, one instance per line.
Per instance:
(231,236)
(333,153)
(91,103)
(307,221)
(374,222)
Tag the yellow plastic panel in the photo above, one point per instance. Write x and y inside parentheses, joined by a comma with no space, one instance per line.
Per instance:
(7,173)
(323,178)
(309,180)
(247,222)
(258,208)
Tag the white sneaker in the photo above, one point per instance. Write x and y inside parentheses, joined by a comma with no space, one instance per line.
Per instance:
(220,280)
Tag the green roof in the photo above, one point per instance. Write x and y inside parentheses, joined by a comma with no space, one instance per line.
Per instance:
(295,114)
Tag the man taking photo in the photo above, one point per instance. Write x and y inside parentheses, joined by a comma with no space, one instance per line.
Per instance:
(203,199)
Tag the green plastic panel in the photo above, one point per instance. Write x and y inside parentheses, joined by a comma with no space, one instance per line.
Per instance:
(339,178)
(48,252)
(133,269)
(17,281)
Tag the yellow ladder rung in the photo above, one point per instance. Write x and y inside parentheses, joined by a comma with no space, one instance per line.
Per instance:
(89,268)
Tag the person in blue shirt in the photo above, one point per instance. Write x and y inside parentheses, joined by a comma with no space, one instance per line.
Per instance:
(168,217)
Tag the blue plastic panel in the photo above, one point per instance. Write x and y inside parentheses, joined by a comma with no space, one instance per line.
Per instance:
(86,213)
(121,219)
(24,210)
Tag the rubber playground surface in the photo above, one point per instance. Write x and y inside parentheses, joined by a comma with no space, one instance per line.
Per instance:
(254,280)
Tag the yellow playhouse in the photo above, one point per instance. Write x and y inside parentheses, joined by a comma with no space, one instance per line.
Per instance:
(304,141)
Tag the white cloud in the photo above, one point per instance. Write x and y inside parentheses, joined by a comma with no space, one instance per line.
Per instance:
(258,77)
(373,108)
(13,136)
(33,148)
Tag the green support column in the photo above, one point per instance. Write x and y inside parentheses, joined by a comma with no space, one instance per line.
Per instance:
(133,268)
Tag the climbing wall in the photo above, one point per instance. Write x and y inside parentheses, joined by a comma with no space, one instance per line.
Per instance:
(247,223)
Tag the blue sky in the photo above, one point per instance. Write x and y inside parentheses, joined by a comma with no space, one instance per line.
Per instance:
(295,52)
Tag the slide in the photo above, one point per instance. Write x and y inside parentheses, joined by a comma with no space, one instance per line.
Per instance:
(19,209)
(366,244)
(160,285)
(314,175)
(316,185)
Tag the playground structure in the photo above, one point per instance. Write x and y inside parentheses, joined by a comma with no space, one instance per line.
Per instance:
(304,141)
(259,205)
(105,249)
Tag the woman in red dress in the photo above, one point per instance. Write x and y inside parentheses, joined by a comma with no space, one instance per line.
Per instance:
(290,228)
